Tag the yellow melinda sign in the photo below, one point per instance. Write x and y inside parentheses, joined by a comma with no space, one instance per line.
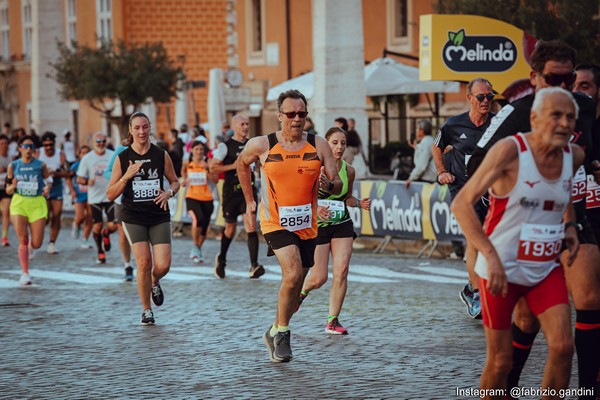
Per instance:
(463,47)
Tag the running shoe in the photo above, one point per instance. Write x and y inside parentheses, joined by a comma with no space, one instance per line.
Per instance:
(51,249)
(128,273)
(300,300)
(200,256)
(25,280)
(219,267)
(147,317)
(101,258)
(85,244)
(335,328)
(256,271)
(268,339)
(283,349)
(471,300)
(158,296)
(5,242)
(106,239)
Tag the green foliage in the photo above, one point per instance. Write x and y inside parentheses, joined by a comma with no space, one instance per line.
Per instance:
(128,73)
(574,22)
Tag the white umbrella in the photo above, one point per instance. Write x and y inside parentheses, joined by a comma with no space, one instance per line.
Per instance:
(216,103)
(383,76)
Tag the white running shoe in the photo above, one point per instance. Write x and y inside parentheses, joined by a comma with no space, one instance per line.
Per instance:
(51,249)
(25,280)
(85,244)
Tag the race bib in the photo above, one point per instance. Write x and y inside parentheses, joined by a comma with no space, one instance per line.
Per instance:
(198,178)
(579,184)
(295,218)
(145,190)
(336,208)
(540,243)
(593,193)
(25,188)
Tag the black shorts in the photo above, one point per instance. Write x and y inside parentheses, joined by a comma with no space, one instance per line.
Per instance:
(337,231)
(108,207)
(481,207)
(154,234)
(586,234)
(234,205)
(283,238)
(593,215)
(201,212)
(4,195)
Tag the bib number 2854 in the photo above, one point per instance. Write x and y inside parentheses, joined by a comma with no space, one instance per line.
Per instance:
(294,218)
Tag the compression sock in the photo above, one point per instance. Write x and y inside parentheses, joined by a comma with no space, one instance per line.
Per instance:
(225,242)
(331,318)
(282,328)
(587,339)
(253,247)
(522,343)
(24,258)
(98,241)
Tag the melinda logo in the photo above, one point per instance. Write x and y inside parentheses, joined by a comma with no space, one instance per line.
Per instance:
(464,53)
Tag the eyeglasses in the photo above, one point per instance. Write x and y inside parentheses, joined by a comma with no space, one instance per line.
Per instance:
(292,114)
(48,144)
(481,97)
(100,141)
(28,146)
(557,79)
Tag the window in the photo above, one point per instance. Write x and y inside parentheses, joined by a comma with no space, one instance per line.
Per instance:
(255,32)
(103,11)
(27,28)
(399,25)
(71,19)
(5,31)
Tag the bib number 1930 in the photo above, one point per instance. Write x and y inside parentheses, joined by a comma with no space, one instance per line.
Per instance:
(540,243)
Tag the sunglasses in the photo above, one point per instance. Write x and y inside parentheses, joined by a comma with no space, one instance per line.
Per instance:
(292,115)
(481,97)
(48,144)
(28,146)
(100,141)
(558,79)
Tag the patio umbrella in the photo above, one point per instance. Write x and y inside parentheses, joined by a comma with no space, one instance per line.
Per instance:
(216,103)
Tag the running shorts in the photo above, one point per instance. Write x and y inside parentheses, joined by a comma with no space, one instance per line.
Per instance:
(154,234)
(279,239)
(337,231)
(34,208)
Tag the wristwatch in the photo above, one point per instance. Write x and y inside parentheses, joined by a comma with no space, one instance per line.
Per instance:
(171,191)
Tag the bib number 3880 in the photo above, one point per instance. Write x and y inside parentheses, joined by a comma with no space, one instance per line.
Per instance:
(294,218)
(145,190)
(540,243)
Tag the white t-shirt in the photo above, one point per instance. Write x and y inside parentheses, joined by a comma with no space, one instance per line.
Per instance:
(92,166)
(69,149)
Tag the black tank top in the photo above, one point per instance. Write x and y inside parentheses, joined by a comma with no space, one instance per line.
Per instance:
(139,194)
(232,181)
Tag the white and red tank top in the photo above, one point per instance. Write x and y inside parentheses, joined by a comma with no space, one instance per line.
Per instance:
(526,226)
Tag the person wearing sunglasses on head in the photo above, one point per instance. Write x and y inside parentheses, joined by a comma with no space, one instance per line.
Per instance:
(91,173)
(225,161)
(461,133)
(56,162)
(295,165)
(552,64)
(28,180)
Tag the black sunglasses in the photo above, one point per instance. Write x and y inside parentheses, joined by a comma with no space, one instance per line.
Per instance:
(557,79)
(100,141)
(28,146)
(292,114)
(481,97)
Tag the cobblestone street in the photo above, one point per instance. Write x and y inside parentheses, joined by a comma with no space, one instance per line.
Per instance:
(75,334)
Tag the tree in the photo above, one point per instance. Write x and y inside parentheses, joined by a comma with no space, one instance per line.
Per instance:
(111,76)
(573,22)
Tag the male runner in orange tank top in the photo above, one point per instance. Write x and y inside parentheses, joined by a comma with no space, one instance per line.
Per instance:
(295,164)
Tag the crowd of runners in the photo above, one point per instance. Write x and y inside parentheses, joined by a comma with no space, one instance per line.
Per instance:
(524,183)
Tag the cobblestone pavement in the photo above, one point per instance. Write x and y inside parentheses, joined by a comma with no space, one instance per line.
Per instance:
(76,333)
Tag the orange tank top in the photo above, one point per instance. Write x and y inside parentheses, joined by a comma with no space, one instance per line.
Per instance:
(289,189)
(197,181)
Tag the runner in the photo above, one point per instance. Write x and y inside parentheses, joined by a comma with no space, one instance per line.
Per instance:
(79,194)
(529,177)
(336,234)
(138,174)
(90,173)
(225,160)
(28,178)
(293,162)
(56,162)
(199,198)
(462,132)
(4,197)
